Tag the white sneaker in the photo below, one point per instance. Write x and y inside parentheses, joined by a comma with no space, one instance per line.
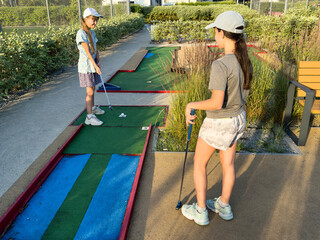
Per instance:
(97,111)
(93,120)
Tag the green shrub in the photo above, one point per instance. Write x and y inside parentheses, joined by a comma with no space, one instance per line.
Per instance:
(296,29)
(145,11)
(182,30)
(25,59)
(181,12)
(276,7)
(37,16)
(207,3)
(59,15)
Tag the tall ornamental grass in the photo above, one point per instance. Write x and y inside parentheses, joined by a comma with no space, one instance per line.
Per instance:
(267,97)
(195,80)
(264,107)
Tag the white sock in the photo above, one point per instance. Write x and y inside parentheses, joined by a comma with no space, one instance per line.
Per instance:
(222,204)
(89,116)
(200,209)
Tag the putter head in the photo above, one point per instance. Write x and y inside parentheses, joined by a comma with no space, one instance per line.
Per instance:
(110,108)
(179,205)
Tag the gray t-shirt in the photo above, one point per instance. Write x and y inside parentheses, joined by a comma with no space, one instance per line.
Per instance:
(226,75)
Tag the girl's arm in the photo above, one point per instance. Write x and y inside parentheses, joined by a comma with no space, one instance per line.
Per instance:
(215,102)
(86,48)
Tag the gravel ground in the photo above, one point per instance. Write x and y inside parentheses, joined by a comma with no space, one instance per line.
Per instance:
(254,140)
(257,140)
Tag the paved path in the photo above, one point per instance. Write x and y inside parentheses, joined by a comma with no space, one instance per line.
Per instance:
(275,197)
(29,125)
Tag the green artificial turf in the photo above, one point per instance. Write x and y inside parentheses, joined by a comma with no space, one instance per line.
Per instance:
(135,116)
(152,73)
(121,140)
(67,220)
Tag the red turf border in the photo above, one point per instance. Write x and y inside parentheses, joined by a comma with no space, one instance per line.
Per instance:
(19,204)
(128,213)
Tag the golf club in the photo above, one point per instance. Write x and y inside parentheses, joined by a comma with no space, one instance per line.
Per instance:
(105,91)
(179,205)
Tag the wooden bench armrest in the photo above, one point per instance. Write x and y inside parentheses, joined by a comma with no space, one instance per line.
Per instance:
(304,88)
(304,129)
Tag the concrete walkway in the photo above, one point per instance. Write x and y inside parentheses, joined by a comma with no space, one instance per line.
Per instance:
(275,197)
(29,125)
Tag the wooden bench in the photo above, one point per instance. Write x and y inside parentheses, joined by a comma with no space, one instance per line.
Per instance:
(308,95)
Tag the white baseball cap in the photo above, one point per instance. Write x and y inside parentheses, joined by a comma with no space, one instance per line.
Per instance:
(91,12)
(230,21)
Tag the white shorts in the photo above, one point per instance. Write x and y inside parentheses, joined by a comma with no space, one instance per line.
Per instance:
(222,133)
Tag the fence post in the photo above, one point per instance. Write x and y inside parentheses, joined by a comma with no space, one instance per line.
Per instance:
(128,7)
(48,12)
(285,6)
(79,9)
(111,8)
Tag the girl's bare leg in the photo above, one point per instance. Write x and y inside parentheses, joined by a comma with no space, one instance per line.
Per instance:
(201,158)
(228,172)
(90,99)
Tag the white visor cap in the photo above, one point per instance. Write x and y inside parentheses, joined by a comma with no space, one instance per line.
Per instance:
(230,21)
(91,12)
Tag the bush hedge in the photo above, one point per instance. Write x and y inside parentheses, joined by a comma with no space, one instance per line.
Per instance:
(294,27)
(207,3)
(37,16)
(26,59)
(144,10)
(59,15)
(197,13)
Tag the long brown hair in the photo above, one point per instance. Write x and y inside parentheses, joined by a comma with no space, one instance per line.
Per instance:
(88,31)
(242,55)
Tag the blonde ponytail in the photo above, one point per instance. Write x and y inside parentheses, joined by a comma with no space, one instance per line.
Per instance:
(88,31)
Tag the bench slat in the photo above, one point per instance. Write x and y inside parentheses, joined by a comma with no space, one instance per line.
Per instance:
(309,64)
(303,94)
(315,86)
(309,79)
(309,72)
(315,107)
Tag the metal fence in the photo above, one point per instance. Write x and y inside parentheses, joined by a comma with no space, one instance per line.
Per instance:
(50,9)
(278,7)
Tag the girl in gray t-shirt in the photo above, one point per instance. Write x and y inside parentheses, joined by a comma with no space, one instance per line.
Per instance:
(230,80)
